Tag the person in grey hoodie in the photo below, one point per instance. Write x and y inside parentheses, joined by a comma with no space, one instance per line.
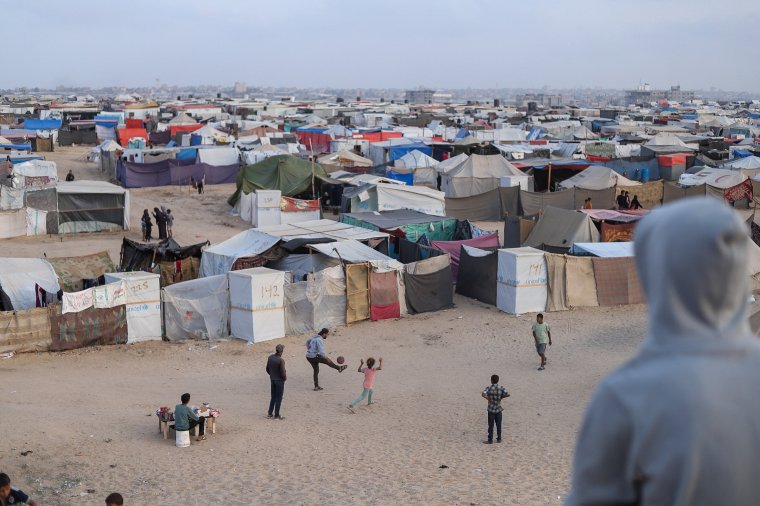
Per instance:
(680,423)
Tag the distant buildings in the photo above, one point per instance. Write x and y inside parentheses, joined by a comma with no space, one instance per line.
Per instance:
(419,96)
(644,94)
(240,88)
(542,99)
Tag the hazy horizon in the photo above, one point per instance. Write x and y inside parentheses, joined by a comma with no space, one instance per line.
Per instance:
(488,44)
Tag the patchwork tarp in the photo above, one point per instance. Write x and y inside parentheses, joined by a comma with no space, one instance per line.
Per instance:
(453,248)
(580,282)
(616,281)
(25,330)
(477,274)
(535,203)
(650,194)
(357,292)
(622,232)
(18,277)
(427,289)
(179,270)
(197,309)
(319,302)
(72,271)
(384,303)
(90,327)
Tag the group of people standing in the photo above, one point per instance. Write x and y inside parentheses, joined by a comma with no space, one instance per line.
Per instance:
(164,221)
(624,201)
(315,355)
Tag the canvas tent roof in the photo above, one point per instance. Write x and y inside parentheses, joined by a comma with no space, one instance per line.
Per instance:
(286,173)
(560,229)
(666,139)
(219,258)
(468,141)
(88,186)
(18,276)
(182,119)
(392,219)
(415,159)
(597,177)
(717,178)
(354,252)
(345,157)
(478,174)
(451,163)
(318,229)
(747,162)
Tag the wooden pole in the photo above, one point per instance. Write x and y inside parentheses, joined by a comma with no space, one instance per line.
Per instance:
(549,184)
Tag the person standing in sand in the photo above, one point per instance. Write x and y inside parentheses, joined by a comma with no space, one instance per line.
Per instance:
(277,377)
(494,393)
(147,226)
(315,355)
(542,336)
(369,381)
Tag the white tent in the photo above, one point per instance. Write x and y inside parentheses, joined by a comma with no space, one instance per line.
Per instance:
(197,309)
(666,139)
(34,169)
(748,162)
(451,163)
(388,197)
(18,277)
(478,174)
(597,177)
(343,158)
(219,156)
(416,159)
(219,258)
(717,178)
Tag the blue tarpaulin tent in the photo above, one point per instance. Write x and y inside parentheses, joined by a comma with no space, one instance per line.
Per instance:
(187,154)
(42,124)
(18,147)
(397,152)
(406,178)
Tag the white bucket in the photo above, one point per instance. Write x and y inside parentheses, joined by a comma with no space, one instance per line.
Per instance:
(182,438)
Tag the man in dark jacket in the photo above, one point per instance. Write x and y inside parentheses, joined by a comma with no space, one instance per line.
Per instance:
(277,378)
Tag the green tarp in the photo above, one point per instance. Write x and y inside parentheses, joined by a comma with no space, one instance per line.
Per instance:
(286,173)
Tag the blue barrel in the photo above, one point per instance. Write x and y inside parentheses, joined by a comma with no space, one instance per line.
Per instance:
(645,174)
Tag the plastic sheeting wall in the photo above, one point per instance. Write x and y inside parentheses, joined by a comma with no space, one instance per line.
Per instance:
(357,292)
(143,304)
(319,302)
(197,309)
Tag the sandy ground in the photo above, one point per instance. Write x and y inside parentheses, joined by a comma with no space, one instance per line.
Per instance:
(87,415)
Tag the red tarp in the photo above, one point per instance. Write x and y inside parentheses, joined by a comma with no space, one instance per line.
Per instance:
(453,248)
(128,133)
(289,205)
(317,142)
(173,129)
(739,192)
(383,295)
(134,123)
(378,136)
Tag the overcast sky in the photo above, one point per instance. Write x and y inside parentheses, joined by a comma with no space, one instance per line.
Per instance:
(388,43)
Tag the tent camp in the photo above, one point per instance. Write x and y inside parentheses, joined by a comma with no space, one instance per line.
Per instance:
(220,258)
(286,173)
(558,229)
(596,177)
(478,174)
(91,206)
(197,309)
(413,224)
(451,163)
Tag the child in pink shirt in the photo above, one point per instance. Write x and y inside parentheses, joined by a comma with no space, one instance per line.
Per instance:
(369,381)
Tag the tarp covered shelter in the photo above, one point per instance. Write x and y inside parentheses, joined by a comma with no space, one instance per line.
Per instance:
(76,273)
(286,173)
(219,258)
(413,224)
(343,158)
(319,302)
(478,174)
(18,278)
(558,229)
(175,263)
(597,177)
(91,206)
(453,248)
(451,163)
(197,309)
(477,274)
(717,178)
(428,285)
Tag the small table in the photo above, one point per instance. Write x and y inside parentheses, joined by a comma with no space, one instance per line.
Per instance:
(163,423)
